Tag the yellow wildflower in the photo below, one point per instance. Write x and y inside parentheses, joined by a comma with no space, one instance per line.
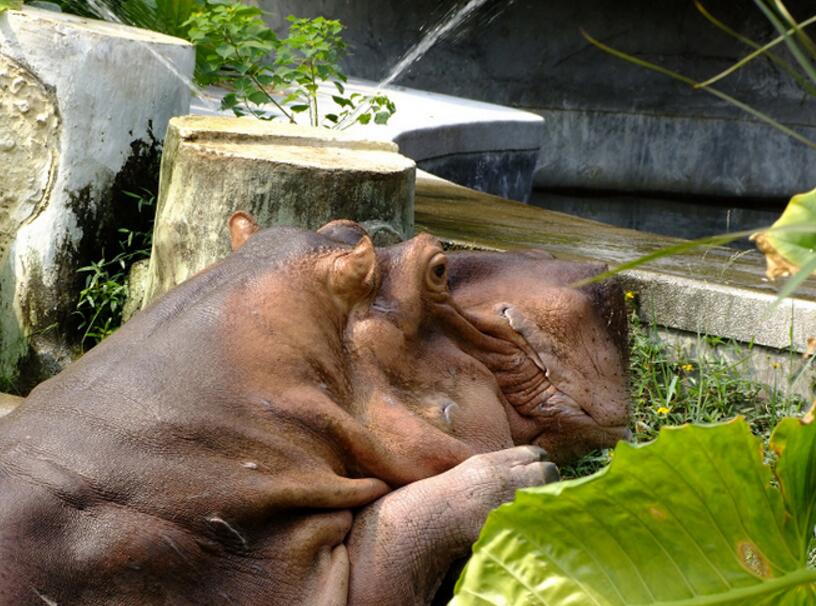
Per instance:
(663,410)
(629,295)
(687,368)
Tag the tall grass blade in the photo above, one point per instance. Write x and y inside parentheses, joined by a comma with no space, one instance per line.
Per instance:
(797,53)
(806,41)
(760,50)
(801,79)
(716,240)
(761,116)
(675,249)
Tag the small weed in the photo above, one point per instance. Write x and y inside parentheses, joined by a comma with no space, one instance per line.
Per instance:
(106,283)
(671,387)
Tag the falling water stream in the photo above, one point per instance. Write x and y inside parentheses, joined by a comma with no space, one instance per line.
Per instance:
(451,20)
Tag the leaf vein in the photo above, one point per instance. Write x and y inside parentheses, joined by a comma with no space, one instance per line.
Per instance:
(639,519)
(694,541)
(617,542)
(518,579)
(591,554)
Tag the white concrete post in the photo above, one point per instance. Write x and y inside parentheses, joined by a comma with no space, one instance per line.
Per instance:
(78,98)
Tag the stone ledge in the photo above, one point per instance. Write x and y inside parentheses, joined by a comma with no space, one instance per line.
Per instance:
(713,291)
(701,307)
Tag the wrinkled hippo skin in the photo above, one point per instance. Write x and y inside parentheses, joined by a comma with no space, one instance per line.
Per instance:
(309,421)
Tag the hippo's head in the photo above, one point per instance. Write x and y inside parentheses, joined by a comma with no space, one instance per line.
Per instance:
(566,384)
(489,349)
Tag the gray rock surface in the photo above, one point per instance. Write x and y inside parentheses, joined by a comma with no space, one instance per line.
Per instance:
(82,103)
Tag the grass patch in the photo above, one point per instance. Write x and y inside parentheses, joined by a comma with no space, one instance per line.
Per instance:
(670,386)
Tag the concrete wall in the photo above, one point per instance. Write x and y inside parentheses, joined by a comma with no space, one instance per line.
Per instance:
(610,125)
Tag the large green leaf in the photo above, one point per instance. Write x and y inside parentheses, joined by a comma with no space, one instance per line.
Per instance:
(693,518)
(786,247)
(794,443)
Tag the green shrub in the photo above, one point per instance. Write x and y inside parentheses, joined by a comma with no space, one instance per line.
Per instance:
(237,50)
(10,5)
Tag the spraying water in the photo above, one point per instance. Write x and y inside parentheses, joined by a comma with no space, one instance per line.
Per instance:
(106,14)
(449,22)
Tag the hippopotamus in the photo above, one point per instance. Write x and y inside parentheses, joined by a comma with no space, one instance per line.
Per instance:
(311,420)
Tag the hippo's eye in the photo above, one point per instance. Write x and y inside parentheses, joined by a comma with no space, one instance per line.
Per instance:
(438,272)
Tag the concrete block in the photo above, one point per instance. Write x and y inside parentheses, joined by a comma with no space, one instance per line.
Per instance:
(81,103)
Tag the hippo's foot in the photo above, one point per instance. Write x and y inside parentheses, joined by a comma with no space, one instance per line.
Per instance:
(401,546)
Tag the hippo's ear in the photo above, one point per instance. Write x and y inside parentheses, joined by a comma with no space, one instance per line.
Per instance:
(241,227)
(353,274)
(344,231)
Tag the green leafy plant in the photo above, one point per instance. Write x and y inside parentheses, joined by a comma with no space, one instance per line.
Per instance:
(102,300)
(232,42)
(237,50)
(694,518)
(10,5)
(165,16)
